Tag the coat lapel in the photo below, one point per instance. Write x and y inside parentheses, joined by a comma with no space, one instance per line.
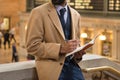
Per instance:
(73,22)
(55,19)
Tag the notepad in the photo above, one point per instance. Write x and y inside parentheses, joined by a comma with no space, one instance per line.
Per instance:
(84,47)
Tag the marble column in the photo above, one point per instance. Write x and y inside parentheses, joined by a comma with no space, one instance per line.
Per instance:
(116,45)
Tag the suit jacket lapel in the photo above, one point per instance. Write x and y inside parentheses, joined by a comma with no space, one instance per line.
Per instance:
(55,19)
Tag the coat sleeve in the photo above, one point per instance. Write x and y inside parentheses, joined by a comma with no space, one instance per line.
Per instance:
(35,43)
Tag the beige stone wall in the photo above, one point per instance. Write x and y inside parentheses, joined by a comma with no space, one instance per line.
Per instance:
(15,10)
(22,5)
(12,9)
(98,25)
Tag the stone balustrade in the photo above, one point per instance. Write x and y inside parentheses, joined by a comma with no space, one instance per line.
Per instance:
(18,71)
(26,70)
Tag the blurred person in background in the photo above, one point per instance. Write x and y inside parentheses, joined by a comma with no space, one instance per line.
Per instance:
(14,53)
(6,39)
(12,34)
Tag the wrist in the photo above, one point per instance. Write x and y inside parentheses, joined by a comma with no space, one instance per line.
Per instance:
(61,52)
(77,60)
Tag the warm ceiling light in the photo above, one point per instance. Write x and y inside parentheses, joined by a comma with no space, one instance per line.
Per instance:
(25,27)
(84,35)
(102,37)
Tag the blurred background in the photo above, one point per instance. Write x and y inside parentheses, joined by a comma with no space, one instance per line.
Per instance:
(97,17)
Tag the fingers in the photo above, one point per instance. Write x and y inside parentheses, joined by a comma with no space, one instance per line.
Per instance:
(82,52)
(69,46)
(74,43)
(79,54)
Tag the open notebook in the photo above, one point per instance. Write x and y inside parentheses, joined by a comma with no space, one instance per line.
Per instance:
(84,47)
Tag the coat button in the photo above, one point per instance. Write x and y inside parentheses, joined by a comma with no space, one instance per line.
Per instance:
(61,63)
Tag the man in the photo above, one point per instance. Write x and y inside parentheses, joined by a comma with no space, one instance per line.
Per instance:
(14,53)
(12,34)
(53,31)
(6,39)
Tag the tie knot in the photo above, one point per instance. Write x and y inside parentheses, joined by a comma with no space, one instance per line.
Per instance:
(62,11)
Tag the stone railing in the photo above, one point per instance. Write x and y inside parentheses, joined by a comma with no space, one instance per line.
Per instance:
(26,70)
(18,71)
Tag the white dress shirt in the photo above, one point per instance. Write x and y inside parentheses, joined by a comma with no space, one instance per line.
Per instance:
(59,7)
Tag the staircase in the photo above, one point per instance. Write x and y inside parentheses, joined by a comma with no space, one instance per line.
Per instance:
(96,67)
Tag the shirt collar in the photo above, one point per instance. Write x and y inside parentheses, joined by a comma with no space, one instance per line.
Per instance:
(59,7)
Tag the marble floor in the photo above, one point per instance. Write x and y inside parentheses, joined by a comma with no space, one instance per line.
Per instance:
(6,54)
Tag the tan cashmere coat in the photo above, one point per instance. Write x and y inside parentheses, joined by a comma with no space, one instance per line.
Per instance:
(44,37)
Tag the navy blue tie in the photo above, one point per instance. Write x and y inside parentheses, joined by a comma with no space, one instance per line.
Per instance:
(62,12)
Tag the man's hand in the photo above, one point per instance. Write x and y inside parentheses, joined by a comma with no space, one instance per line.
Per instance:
(69,46)
(78,56)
